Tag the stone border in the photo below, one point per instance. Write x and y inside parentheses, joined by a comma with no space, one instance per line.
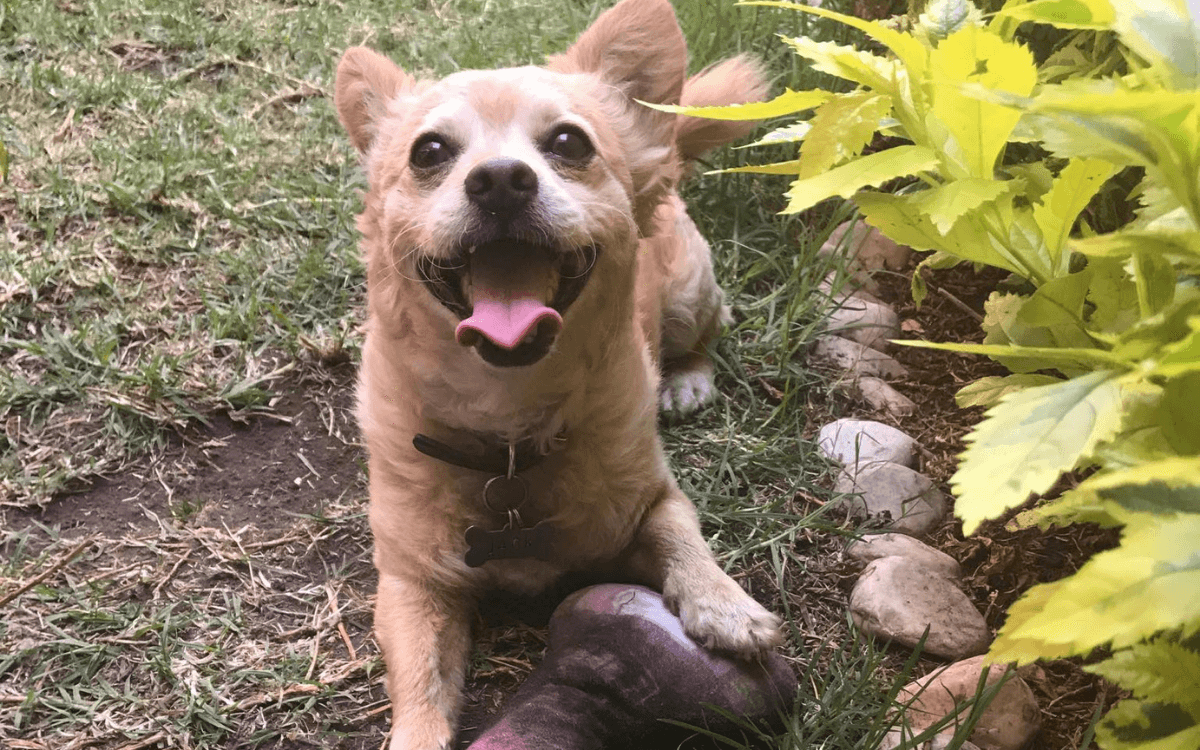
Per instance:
(908,591)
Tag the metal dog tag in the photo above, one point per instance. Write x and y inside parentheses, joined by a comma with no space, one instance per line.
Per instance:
(502,494)
(508,543)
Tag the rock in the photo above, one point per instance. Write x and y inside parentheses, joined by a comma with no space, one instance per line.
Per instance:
(940,741)
(874,546)
(896,598)
(1010,721)
(859,442)
(852,356)
(869,323)
(883,397)
(907,499)
(866,247)
(858,285)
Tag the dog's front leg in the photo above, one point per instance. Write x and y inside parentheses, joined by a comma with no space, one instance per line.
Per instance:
(669,553)
(425,639)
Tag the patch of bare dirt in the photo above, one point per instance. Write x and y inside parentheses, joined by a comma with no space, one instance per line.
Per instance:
(261,508)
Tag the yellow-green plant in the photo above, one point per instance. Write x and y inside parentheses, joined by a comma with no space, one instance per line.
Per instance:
(1104,341)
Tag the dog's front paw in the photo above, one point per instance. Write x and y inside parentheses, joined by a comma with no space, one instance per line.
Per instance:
(685,391)
(722,617)
(439,736)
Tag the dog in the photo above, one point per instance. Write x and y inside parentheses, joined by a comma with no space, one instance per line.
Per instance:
(536,291)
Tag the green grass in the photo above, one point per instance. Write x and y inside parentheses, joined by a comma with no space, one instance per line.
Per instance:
(178,236)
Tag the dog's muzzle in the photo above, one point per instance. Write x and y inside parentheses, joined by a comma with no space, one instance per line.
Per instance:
(510,295)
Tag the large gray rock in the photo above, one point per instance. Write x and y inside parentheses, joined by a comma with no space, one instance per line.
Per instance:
(897,599)
(865,247)
(874,546)
(905,499)
(851,356)
(869,323)
(861,443)
(940,741)
(883,397)
(859,285)
(1010,721)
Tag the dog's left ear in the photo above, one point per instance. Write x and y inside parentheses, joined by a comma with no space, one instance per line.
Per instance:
(637,47)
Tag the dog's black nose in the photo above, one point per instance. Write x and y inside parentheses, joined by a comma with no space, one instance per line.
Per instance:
(501,185)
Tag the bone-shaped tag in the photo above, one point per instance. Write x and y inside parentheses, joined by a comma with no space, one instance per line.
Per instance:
(508,543)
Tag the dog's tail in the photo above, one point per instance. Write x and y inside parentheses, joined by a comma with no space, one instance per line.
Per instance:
(737,80)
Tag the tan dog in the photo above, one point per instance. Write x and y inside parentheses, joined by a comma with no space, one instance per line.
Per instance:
(528,264)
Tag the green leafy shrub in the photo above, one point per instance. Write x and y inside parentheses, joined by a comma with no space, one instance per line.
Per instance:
(1103,336)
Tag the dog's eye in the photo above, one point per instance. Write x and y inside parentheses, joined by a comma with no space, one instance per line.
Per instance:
(430,151)
(569,143)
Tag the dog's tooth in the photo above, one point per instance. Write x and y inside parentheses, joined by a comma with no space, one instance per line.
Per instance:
(471,249)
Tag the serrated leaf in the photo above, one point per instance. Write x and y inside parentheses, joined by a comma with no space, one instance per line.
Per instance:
(1182,356)
(1058,297)
(846,180)
(1149,336)
(1180,407)
(1027,248)
(1073,188)
(1074,506)
(946,204)
(1118,598)
(1028,440)
(990,390)
(1155,278)
(1103,99)
(1057,308)
(944,17)
(1161,31)
(840,60)
(787,134)
(1139,725)
(780,167)
(1155,129)
(1173,471)
(789,102)
(1047,319)
(1163,670)
(1173,245)
(911,53)
(901,218)
(1065,14)
(841,128)
(973,55)
(1003,327)
(1140,473)
(1113,297)
(1036,176)
(1174,221)
(1154,498)
(1051,357)
(1157,201)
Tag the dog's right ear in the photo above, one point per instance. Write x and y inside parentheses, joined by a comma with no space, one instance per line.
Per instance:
(366,82)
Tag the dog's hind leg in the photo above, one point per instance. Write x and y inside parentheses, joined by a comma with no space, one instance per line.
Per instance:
(693,312)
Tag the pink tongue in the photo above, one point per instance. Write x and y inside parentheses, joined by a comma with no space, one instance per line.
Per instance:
(505,318)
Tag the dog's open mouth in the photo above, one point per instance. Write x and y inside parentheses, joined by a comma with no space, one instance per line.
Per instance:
(510,295)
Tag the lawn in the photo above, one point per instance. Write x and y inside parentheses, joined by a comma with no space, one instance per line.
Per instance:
(184,560)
